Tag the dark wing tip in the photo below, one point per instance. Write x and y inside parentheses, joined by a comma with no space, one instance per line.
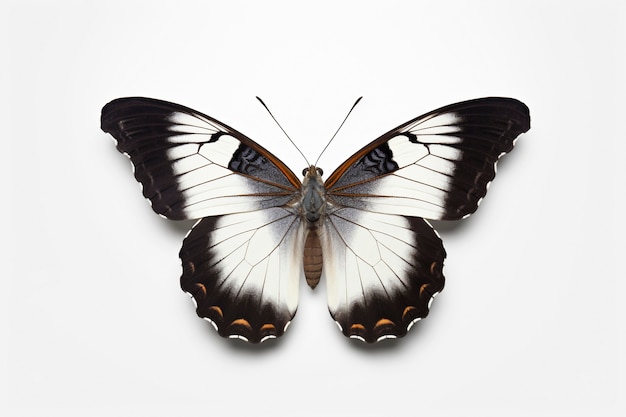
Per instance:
(491,126)
(116,110)
(513,110)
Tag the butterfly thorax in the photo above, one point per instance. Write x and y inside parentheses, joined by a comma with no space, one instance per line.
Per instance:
(313,195)
(313,205)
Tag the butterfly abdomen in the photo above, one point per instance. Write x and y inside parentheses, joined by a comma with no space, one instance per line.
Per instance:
(312,258)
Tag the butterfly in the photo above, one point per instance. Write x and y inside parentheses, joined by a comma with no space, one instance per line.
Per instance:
(261,229)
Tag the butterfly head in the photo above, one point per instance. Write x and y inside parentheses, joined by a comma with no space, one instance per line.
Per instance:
(312,171)
(313,194)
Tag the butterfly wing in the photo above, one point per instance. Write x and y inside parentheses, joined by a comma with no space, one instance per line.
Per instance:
(383,263)
(242,262)
(191,165)
(437,166)
(244,270)
(382,272)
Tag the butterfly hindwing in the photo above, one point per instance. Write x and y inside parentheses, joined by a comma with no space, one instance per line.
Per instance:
(243,271)
(436,166)
(191,165)
(382,271)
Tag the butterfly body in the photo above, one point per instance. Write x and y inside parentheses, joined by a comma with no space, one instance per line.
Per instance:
(313,207)
(262,230)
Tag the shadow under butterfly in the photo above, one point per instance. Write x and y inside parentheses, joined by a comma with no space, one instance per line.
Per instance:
(262,229)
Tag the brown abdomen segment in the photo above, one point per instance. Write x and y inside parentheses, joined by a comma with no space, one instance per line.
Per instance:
(312,258)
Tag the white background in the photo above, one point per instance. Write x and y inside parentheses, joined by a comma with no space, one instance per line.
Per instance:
(93,321)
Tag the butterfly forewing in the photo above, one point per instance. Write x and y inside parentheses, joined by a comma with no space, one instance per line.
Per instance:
(191,165)
(436,166)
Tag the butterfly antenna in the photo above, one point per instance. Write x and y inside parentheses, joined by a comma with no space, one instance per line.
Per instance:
(281,128)
(338,129)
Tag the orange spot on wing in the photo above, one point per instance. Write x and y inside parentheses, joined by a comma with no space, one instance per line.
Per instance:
(241,322)
(217,310)
(356,327)
(268,327)
(383,323)
(201,289)
(406,311)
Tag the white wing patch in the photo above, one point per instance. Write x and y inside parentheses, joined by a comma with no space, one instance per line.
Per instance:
(207,186)
(418,188)
(192,127)
(435,124)
(369,254)
(260,252)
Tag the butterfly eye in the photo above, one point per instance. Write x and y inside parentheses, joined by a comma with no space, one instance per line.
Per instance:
(304,171)
(320,171)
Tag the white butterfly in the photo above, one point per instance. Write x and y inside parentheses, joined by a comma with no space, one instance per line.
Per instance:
(261,229)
